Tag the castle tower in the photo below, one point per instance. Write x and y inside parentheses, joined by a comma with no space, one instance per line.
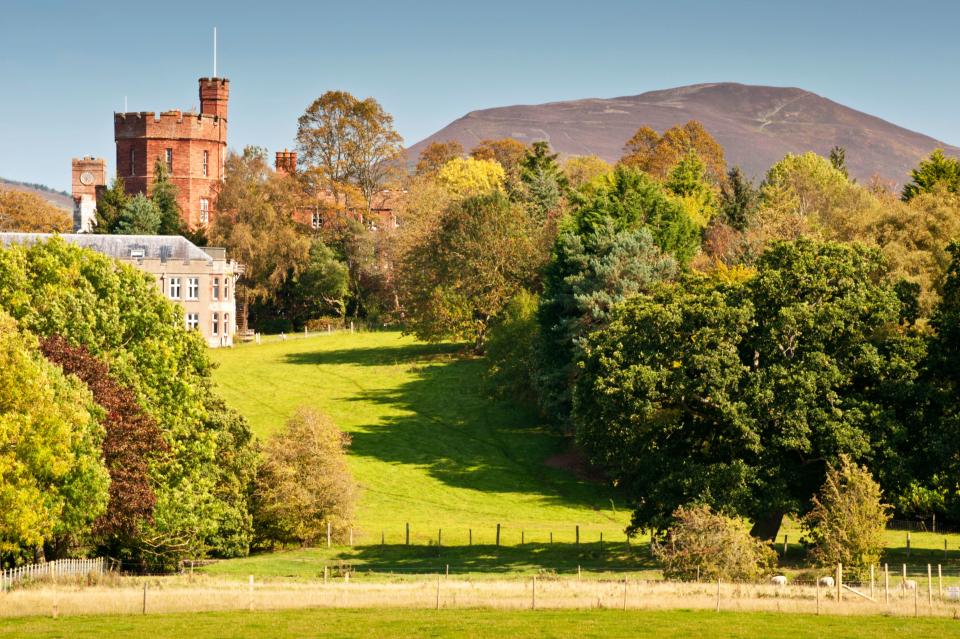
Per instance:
(286,162)
(192,146)
(89,174)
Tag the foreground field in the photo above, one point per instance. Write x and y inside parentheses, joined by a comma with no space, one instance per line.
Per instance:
(605,624)
(430,448)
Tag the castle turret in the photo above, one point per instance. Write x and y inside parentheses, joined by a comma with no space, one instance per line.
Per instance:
(286,162)
(89,175)
(214,94)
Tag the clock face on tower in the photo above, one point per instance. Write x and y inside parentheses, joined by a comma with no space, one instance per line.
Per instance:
(86,178)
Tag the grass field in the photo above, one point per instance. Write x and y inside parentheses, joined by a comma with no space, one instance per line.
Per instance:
(605,624)
(431,449)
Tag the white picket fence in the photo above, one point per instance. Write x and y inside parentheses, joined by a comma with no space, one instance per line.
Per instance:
(52,570)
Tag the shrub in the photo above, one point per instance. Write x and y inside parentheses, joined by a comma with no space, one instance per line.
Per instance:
(847,521)
(702,543)
(304,482)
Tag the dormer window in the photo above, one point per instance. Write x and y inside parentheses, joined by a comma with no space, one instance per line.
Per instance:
(137,253)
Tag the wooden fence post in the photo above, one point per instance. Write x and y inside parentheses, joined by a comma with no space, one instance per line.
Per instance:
(498,535)
(839,583)
(56,604)
(408,534)
(438,592)
(908,544)
(328,534)
(351,536)
(871,582)
(916,602)
(144,597)
(439,537)
(903,578)
(601,542)
(533,593)
(929,586)
(940,582)
(718,595)
(624,593)
(818,595)
(250,595)
(523,537)
(785,546)
(578,572)
(551,537)
(944,548)
(886,583)
(578,534)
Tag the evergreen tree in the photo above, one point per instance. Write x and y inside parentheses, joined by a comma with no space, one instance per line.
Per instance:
(938,171)
(164,196)
(838,158)
(140,217)
(738,200)
(110,204)
(543,180)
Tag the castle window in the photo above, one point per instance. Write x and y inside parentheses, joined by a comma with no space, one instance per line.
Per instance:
(193,321)
(170,161)
(206,163)
(193,288)
(204,210)
(215,288)
(215,324)
(133,162)
(174,288)
(317,220)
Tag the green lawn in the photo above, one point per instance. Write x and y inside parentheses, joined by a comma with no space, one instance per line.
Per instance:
(604,624)
(429,448)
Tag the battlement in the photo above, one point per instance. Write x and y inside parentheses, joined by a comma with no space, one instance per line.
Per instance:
(214,96)
(168,124)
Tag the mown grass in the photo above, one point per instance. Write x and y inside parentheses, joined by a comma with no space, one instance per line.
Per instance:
(495,624)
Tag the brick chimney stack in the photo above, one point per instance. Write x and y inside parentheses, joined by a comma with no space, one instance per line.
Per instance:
(214,94)
(286,162)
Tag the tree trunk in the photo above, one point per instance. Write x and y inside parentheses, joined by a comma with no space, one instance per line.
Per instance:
(767,526)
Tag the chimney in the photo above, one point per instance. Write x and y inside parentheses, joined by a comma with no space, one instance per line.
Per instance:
(286,162)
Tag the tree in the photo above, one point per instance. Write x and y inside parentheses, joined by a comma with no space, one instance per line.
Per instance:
(164,196)
(543,180)
(349,141)
(657,155)
(304,482)
(702,544)
(118,314)
(436,155)
(131,443)
(255,224)
(320,288)
(936,171)
(52,480)
(457,274)
(738,200)
(848,519)
(507,152)
(739,394)
(110,204)
(468,176)
(139,217)
(687,181)
(29,213)
(838,158)
(583,169)
(511,349)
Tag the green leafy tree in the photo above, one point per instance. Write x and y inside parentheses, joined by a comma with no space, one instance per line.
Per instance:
(140,217)
(688,182)
(848,519)
(702,544)
(53,484)
(164,196)
(739,394)
(110,204)
(838,158)
(512,349)
(320,288)
(458,273)
(118,314)
(544,181)
(937,171)
(304,483)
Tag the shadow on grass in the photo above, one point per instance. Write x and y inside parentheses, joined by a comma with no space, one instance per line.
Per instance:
(451,427)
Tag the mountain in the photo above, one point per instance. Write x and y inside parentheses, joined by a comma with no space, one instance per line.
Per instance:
(58,198)
(757,126)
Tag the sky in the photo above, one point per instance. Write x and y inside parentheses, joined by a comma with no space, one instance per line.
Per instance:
(67,66)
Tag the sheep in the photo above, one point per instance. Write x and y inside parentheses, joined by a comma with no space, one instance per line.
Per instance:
(909,584)
(825,581)
(779,580)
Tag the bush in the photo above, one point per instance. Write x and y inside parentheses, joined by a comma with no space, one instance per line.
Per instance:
(702,543)
(848,519)
(304,482)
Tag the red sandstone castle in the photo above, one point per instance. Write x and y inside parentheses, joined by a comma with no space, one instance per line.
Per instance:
(193,147)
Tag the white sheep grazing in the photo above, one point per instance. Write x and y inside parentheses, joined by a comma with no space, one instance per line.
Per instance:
(779,580)
(826,581)
(909,584)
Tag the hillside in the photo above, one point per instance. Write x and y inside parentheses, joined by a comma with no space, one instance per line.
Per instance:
(57,198)
(429,447)
(757,125)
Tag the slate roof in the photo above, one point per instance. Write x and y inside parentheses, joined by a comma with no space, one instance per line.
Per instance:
(123,247)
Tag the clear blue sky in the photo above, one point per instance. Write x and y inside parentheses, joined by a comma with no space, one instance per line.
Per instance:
(66,66)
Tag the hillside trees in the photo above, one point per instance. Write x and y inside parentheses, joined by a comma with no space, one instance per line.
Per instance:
(304,482)
(658,154)
(119,316)
(737,395)
(53,483)
(458,272)
(29,213)
(436,155)
(937,171)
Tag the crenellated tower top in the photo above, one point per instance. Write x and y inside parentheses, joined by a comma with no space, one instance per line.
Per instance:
(214,94)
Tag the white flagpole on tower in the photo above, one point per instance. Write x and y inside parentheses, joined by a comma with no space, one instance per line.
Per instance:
(214,52)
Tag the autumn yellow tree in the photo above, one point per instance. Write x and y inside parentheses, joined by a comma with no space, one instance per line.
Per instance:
(30,213)
(658,154)
(436,155)
(469,176)
(582,169)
